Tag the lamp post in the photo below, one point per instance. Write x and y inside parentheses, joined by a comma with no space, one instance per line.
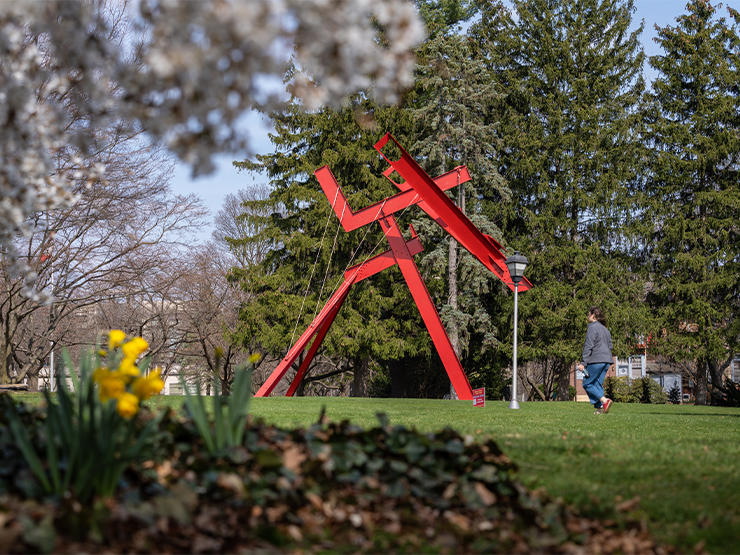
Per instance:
(516,264)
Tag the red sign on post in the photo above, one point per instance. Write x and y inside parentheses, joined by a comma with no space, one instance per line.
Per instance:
(479,397)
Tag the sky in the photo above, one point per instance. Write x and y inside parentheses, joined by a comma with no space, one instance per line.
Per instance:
(227,179)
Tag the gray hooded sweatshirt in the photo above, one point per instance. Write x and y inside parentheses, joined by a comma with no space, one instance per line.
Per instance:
(598,345)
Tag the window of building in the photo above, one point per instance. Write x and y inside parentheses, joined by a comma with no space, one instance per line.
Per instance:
(175,389)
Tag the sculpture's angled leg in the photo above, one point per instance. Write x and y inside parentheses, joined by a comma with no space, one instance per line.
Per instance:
(314,347)
(426,308)
(285,364)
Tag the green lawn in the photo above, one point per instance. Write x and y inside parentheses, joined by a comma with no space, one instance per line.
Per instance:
(683,462)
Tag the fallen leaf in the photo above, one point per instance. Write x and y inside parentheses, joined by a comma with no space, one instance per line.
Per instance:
(231,482)
(293,457)
(458,520)
(314,499)
(295,533)
(206,544)
(486,495)
(629,505)
(275,513)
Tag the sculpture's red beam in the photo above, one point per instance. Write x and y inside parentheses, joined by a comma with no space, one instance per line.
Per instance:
(353,220)
(428,312)
(485,248)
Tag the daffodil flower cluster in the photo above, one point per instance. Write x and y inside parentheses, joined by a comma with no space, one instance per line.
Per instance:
(121,380)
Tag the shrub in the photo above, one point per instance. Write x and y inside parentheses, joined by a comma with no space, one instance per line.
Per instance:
(731,396)
(572,392)
(646,390)
(640,391)
(609,387)
(617,389)
(658,396)
(380,385)
(674,394)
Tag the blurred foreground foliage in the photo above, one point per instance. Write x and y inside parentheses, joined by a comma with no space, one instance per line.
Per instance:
(331,486)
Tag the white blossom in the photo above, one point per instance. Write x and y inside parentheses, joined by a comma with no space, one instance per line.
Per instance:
(200,69)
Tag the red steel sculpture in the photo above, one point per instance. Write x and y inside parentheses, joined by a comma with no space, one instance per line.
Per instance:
(428,194)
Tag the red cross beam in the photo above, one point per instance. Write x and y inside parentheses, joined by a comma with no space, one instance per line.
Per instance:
(443,211)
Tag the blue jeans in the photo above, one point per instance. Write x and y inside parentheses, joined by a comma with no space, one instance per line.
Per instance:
(594,384)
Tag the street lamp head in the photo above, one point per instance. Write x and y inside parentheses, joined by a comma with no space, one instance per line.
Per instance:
(516,264)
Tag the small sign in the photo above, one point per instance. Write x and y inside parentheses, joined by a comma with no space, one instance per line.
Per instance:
(479,397)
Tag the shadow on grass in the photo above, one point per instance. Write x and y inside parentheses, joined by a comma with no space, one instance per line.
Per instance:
(695,414)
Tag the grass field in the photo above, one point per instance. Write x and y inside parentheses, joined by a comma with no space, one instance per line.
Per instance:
(677,468)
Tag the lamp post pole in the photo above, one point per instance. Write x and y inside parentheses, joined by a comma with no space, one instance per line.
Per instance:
(516,264)
(514,404)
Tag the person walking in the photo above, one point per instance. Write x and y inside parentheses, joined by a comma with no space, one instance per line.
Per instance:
(597,357)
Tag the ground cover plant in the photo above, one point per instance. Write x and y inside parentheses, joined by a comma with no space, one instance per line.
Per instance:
(672,469)
(332,486)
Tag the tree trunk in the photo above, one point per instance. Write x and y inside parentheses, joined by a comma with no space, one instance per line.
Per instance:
(300,391)
(533,389)
(399,379)
(359,384)
(226,378)
(4,365)
(453,331)
(716,371)
(6,347)
(563,381)
(700,391)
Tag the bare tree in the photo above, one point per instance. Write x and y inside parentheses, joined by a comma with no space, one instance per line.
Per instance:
(238,224)
(207,306)
(540,372)
(122,236)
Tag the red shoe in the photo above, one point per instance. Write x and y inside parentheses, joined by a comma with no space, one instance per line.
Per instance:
(607,405)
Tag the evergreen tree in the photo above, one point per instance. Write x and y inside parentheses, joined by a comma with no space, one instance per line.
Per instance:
(570,131)
(455,93)
(440,16)
(692,194)
(674,394)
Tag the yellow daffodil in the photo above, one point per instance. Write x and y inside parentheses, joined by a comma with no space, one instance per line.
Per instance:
(254,358)
(100,374)
(111,387)
(134,348)
(147,386)
(127,405)
(115,339)
(128,370)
